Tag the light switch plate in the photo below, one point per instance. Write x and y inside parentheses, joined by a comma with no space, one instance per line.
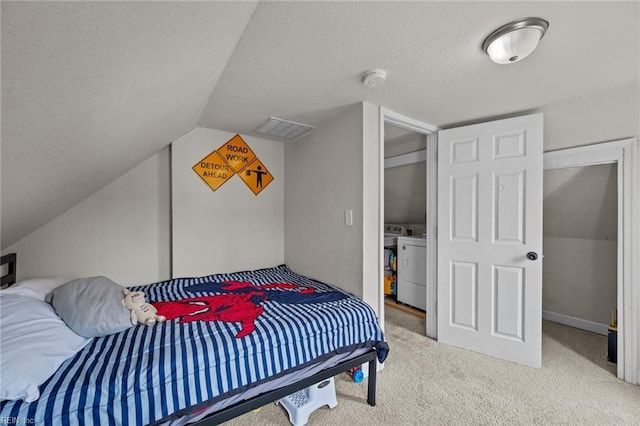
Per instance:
(348,217)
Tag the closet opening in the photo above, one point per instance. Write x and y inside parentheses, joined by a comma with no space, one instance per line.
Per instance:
(611,161)
(580,246)
(404,218)
(408,159)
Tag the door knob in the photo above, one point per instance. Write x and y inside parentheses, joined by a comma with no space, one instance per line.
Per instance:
(532,255)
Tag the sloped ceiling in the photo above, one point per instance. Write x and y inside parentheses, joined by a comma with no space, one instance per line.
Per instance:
(581,202)
(90,89)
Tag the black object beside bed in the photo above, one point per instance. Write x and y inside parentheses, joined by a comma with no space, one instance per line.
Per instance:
(260,390)
(10,277)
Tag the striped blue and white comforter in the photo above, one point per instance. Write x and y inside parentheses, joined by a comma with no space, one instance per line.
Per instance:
(147,374)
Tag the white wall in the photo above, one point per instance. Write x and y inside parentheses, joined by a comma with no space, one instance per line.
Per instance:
(120,231)
(593,118)
(230,229)
(405,194)
(580,278)
(125,231)
(405,187)
(372,217)
(324,177)
(408,142)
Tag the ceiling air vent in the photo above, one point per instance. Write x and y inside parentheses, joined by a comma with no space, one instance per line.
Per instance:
(282,129)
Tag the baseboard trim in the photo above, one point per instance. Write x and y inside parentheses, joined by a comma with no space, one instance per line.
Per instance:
(582,324)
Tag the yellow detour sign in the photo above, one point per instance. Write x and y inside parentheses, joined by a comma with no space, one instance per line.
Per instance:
(256,176)
(236,153)
(213,170)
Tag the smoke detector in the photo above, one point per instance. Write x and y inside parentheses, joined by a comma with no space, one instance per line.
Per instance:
(374,78)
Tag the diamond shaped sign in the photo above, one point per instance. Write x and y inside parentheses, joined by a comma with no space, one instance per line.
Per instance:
(213,170)
(236,153)
(256,176)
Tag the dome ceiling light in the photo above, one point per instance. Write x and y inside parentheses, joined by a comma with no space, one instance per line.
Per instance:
(515,41)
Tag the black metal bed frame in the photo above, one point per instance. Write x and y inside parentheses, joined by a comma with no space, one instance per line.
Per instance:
(10,277)
(257,401)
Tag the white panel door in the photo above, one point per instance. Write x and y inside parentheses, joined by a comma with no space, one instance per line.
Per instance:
(490,238)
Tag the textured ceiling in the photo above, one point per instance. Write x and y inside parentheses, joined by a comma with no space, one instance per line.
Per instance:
(302,61)
(90,89)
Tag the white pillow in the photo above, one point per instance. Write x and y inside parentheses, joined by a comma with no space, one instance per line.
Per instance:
(35,287)
(34,342)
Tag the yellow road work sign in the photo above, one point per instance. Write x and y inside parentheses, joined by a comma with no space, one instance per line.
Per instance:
(256,176)
(213,170)
(236,153)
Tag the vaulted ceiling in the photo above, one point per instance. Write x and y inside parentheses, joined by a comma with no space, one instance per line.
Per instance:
(90,89)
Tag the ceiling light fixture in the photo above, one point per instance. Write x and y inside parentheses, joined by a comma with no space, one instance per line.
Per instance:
(515,41)
(374,78)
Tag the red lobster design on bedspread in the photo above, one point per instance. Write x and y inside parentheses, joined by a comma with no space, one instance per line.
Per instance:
(242,302)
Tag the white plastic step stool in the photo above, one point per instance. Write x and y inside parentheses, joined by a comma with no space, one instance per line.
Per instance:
(301,404)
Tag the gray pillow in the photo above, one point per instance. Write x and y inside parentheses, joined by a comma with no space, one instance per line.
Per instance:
(91,307)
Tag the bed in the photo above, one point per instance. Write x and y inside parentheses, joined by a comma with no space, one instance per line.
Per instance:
(231,343)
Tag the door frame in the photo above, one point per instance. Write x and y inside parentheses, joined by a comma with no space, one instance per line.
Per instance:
(622,152)
(393,118)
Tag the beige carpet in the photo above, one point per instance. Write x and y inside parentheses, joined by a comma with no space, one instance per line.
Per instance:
(425,382)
